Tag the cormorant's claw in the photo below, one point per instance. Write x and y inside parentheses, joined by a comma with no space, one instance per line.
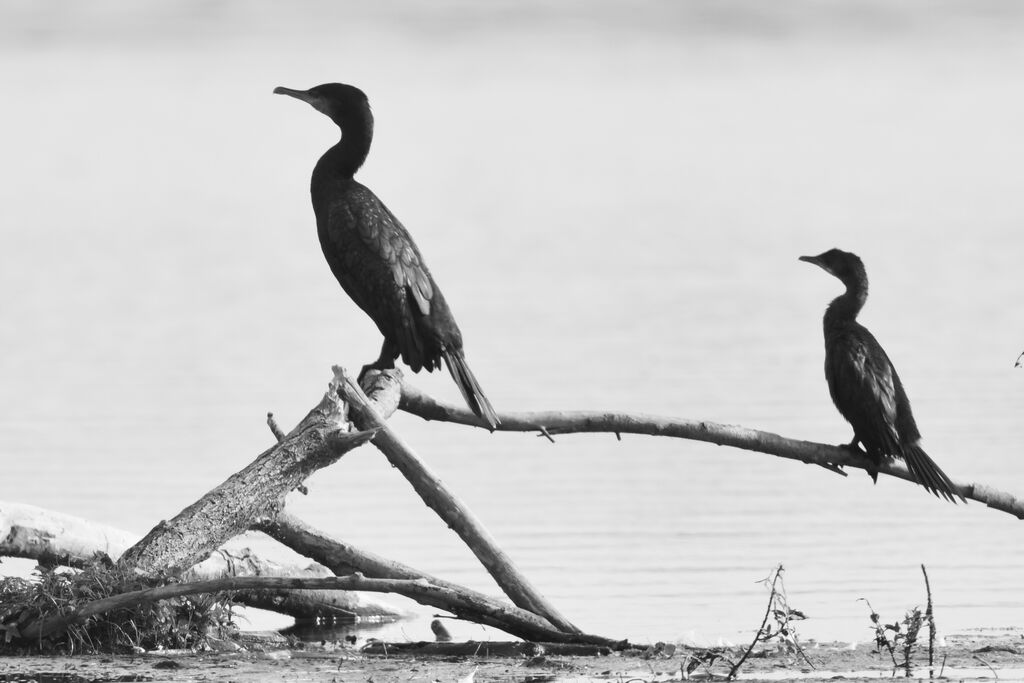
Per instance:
(853,447)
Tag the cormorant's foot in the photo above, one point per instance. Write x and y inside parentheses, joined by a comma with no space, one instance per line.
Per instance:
(372,367)
(853,447)
(362,373)
(375,378)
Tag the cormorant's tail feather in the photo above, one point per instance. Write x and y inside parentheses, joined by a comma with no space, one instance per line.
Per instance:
(472,393)
(929,475)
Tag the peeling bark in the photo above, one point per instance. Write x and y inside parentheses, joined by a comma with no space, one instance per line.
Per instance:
(258,491)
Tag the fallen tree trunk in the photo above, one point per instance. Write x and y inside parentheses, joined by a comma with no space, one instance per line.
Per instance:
(447,506)
(417,590)
(566,422)
(258,491)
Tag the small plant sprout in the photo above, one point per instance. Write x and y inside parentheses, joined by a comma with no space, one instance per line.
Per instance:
(903,635)
(778,623)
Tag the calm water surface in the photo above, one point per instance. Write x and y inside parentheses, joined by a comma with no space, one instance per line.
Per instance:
(613,201)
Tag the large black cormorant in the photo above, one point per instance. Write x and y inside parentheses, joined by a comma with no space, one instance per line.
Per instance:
(374,258)
(864,384)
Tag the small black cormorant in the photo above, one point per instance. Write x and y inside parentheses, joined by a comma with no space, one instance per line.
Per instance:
(374,258)
(864,384)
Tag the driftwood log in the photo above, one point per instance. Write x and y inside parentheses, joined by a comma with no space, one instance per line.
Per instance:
(53,538)
(38,534)
(256,492)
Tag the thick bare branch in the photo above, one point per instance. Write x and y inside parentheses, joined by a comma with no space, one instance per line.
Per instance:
(301,605)
(258,491)
(448,507)
(417,590)
(565,422)
(343,558)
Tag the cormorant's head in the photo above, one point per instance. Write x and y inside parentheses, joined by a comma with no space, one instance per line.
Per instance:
(345,104)
(842,264)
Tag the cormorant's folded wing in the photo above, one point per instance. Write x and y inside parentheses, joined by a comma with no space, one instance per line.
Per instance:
(868,391)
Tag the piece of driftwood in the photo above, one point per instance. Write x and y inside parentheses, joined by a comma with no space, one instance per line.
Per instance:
(36,533)
(257,491)
(447,505)
(471,605)
(566,422)
(54,538)
(472,648)
(415,590)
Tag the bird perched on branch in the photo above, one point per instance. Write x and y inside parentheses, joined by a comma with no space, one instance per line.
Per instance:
(864,384)
(374,258)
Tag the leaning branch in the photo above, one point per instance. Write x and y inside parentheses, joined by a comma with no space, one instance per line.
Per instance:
(258,491)
(566,422)
(447,505)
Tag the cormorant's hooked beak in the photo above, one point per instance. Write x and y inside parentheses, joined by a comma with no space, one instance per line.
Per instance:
(314,100)
(303,95)
(816,261)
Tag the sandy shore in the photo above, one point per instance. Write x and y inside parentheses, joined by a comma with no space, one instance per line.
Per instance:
(962,657)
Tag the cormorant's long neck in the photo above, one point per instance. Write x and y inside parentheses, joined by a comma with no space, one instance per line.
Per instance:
(345,158)
(845,308)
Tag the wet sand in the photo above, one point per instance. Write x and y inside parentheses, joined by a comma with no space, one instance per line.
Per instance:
(962,657)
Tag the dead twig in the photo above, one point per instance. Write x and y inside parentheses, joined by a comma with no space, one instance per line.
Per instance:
(930,618)
(994,672)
